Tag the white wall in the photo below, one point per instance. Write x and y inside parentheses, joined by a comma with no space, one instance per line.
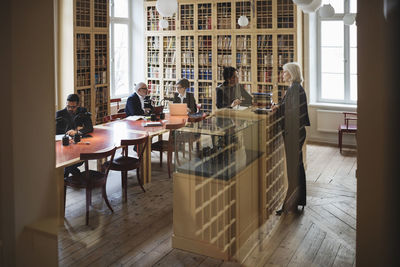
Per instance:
(28,184)
(310,85)
(138,42)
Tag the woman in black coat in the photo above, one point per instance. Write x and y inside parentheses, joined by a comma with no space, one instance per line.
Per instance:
(293,109)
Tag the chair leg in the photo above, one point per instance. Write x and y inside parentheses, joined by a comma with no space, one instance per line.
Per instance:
(124,183)
(161,158)
(190,149)
(105,198)
(65,197)
(340,140)
(88,197)
(139,180)
(169,156)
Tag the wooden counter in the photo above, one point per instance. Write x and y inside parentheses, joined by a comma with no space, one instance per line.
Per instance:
(220,217)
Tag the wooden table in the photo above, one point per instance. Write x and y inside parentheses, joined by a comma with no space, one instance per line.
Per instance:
(107,136)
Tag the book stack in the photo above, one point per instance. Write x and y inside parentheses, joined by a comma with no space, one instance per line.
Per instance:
(262,100)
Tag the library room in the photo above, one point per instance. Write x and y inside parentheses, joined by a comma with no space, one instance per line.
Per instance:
(200,133)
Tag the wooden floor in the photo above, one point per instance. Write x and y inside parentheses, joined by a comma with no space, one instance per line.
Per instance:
(139,233)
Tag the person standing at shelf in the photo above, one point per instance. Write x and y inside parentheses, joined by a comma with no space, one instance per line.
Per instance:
(73,120)
(231,94)
(294,113)
(139,102)
(183,96)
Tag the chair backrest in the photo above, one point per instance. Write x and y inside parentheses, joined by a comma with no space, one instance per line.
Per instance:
(137,141)
(172,127)
(350,117)
(116,100)
(196,118)
(98,155)
(117,116)
(114,117)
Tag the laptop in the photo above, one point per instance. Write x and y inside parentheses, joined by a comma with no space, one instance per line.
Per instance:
(177,109)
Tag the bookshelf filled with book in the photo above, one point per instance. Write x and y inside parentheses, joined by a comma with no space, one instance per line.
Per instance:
(206,37)
(91,56)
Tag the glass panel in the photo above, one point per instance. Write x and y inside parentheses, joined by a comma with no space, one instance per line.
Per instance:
(332,60)
(353,87)
(285,13)
(224,15)
(332,33)
(353,60)
(332,86)
(353,35)
(338,5)
(264,14)
(121,56)
(353,6)
(121,8)
(187,17)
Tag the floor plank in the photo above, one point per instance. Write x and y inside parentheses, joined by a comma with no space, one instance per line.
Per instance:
(139,233)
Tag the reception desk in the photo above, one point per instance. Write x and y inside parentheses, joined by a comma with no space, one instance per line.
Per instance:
(231,186)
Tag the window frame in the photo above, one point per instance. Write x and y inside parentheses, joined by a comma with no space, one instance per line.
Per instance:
(125,21)
(346,60)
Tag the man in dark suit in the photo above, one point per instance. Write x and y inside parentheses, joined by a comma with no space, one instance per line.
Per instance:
(73,120)
(183,96)
(138,103)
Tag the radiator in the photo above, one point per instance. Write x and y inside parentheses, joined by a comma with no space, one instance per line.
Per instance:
(329,120)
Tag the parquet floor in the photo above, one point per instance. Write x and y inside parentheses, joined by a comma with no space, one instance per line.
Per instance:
(139,233)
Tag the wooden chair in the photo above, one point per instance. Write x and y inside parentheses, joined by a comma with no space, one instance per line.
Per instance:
(167,145)
(114,117)
(348,127)
(191,138)
(90,179)
(126,163)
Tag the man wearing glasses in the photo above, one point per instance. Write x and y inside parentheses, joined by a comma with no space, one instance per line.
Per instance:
(138,103)
(73,120)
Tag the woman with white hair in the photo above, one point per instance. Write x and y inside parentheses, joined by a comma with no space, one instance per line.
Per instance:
(135,105)
(293,109)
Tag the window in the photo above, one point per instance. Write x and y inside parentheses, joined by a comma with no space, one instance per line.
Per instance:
(337,54)
(120,38)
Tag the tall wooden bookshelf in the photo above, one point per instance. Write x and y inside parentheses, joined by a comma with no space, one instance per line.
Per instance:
(208,38)
(85,67)
(91,56)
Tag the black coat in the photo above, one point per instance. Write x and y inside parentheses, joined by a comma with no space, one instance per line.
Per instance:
(66,122)
(189,100)
(294,113)
(226,94)
(133,106)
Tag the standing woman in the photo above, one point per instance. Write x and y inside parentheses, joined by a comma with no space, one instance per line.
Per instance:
(293,109)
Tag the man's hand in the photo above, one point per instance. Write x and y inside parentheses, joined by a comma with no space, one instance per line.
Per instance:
(72,132)
(235,103)
(274,107)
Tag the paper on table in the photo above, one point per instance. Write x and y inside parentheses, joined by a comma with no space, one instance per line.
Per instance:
(151,124)
(240,107)
(59,137)
(135,118)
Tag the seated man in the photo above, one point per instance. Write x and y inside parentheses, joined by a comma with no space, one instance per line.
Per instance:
(73,120)
(231,93)
(138,103)
(182,96)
